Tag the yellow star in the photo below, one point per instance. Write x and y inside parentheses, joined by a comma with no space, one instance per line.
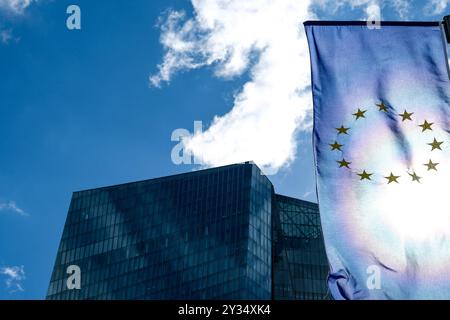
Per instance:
(359,114)
(343,163)
(365,175)
(415,177)
(392,178)
(435,144)
(382,107)
(343,130)
(426,125)
(336,146)
(431,165)
(406,115)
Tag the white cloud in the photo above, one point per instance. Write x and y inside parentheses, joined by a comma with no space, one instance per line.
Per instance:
(9,11)
(235,36)
(266,39)
(11,206)
(335,7)
(14,275)
(435,7)
(402,7)
(15,6)
(5,36)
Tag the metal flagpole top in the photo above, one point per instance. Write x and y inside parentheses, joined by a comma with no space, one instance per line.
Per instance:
(446,24)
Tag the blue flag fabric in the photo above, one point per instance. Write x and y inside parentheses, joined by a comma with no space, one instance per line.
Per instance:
(382,151)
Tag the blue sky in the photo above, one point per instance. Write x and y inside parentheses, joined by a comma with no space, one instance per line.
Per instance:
(78,111)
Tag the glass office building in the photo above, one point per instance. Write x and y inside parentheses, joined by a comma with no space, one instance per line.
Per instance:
(300,265)
(220,233)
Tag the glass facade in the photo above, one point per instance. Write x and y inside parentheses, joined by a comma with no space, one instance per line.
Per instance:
(220,233)
(199,235)
(300,265)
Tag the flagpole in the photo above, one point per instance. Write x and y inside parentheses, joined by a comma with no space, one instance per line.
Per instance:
(446,24)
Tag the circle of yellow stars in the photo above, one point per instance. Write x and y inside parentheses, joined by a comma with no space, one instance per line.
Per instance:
(359,114)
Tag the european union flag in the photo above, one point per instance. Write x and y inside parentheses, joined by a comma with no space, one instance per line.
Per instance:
(382,152)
